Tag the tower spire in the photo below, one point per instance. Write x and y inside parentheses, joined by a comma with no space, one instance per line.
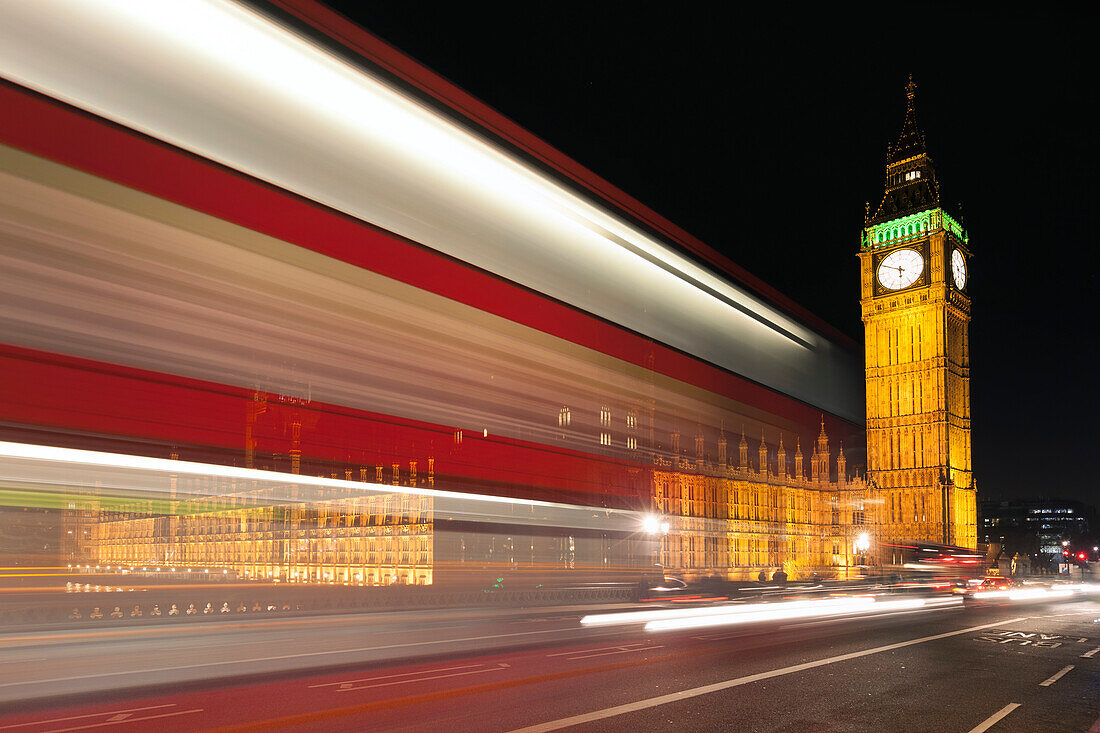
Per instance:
(799,472)
(911,184)
(743,451)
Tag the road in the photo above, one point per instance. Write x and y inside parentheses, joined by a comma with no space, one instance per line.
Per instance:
(1000,667)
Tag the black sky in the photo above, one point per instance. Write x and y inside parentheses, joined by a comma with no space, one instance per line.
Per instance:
(764,134)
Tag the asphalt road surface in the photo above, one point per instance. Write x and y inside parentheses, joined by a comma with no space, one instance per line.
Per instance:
(999,667)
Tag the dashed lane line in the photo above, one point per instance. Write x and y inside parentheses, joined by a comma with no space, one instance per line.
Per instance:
(1056,676)
(994,718)
(719,686)
(1089,654)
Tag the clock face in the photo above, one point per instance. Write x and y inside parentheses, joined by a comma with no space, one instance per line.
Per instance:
(958,269)
(900,269)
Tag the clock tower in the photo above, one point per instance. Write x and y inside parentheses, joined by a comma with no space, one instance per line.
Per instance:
(914,271)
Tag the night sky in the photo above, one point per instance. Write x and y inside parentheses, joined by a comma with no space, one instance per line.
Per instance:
(763,135)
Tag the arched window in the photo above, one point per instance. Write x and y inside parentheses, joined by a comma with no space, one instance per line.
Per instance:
(564,417)
(631,420)
(605,424)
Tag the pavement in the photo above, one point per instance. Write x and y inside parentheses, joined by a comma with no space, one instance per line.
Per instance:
(1012,666)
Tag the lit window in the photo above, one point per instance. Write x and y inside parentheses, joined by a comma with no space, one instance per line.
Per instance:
(912,175)
(631,419)
(605,416)
(632,443)
(564,417)
(605,438)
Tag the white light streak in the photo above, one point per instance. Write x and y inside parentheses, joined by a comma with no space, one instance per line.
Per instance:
(56,468)
(1028,594)
(690,618)
(225,82)
(782,612)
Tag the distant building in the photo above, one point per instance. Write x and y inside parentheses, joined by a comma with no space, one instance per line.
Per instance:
(1037,525)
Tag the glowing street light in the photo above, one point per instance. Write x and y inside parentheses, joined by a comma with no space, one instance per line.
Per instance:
(863,542)
(652,524)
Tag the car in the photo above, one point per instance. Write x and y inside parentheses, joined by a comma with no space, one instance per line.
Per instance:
(677,590)
(996,582)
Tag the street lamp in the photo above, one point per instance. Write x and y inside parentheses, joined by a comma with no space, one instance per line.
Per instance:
(862,544)
(654,525)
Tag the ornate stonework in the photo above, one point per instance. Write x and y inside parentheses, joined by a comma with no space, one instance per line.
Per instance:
(917,354)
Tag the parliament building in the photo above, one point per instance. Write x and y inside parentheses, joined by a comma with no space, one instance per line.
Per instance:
(918,486)
(734,511)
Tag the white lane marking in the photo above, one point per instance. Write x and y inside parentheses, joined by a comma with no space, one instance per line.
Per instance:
(1056,676)
(618,647)
(719,686)
(620,651)
(128,720)
(418,671)
(88,715)
(348,688)
(992,719)
(1089,654)
(282,656)
(717,637)
(1082,640)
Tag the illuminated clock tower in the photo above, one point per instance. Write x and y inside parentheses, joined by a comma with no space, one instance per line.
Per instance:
(914,262)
